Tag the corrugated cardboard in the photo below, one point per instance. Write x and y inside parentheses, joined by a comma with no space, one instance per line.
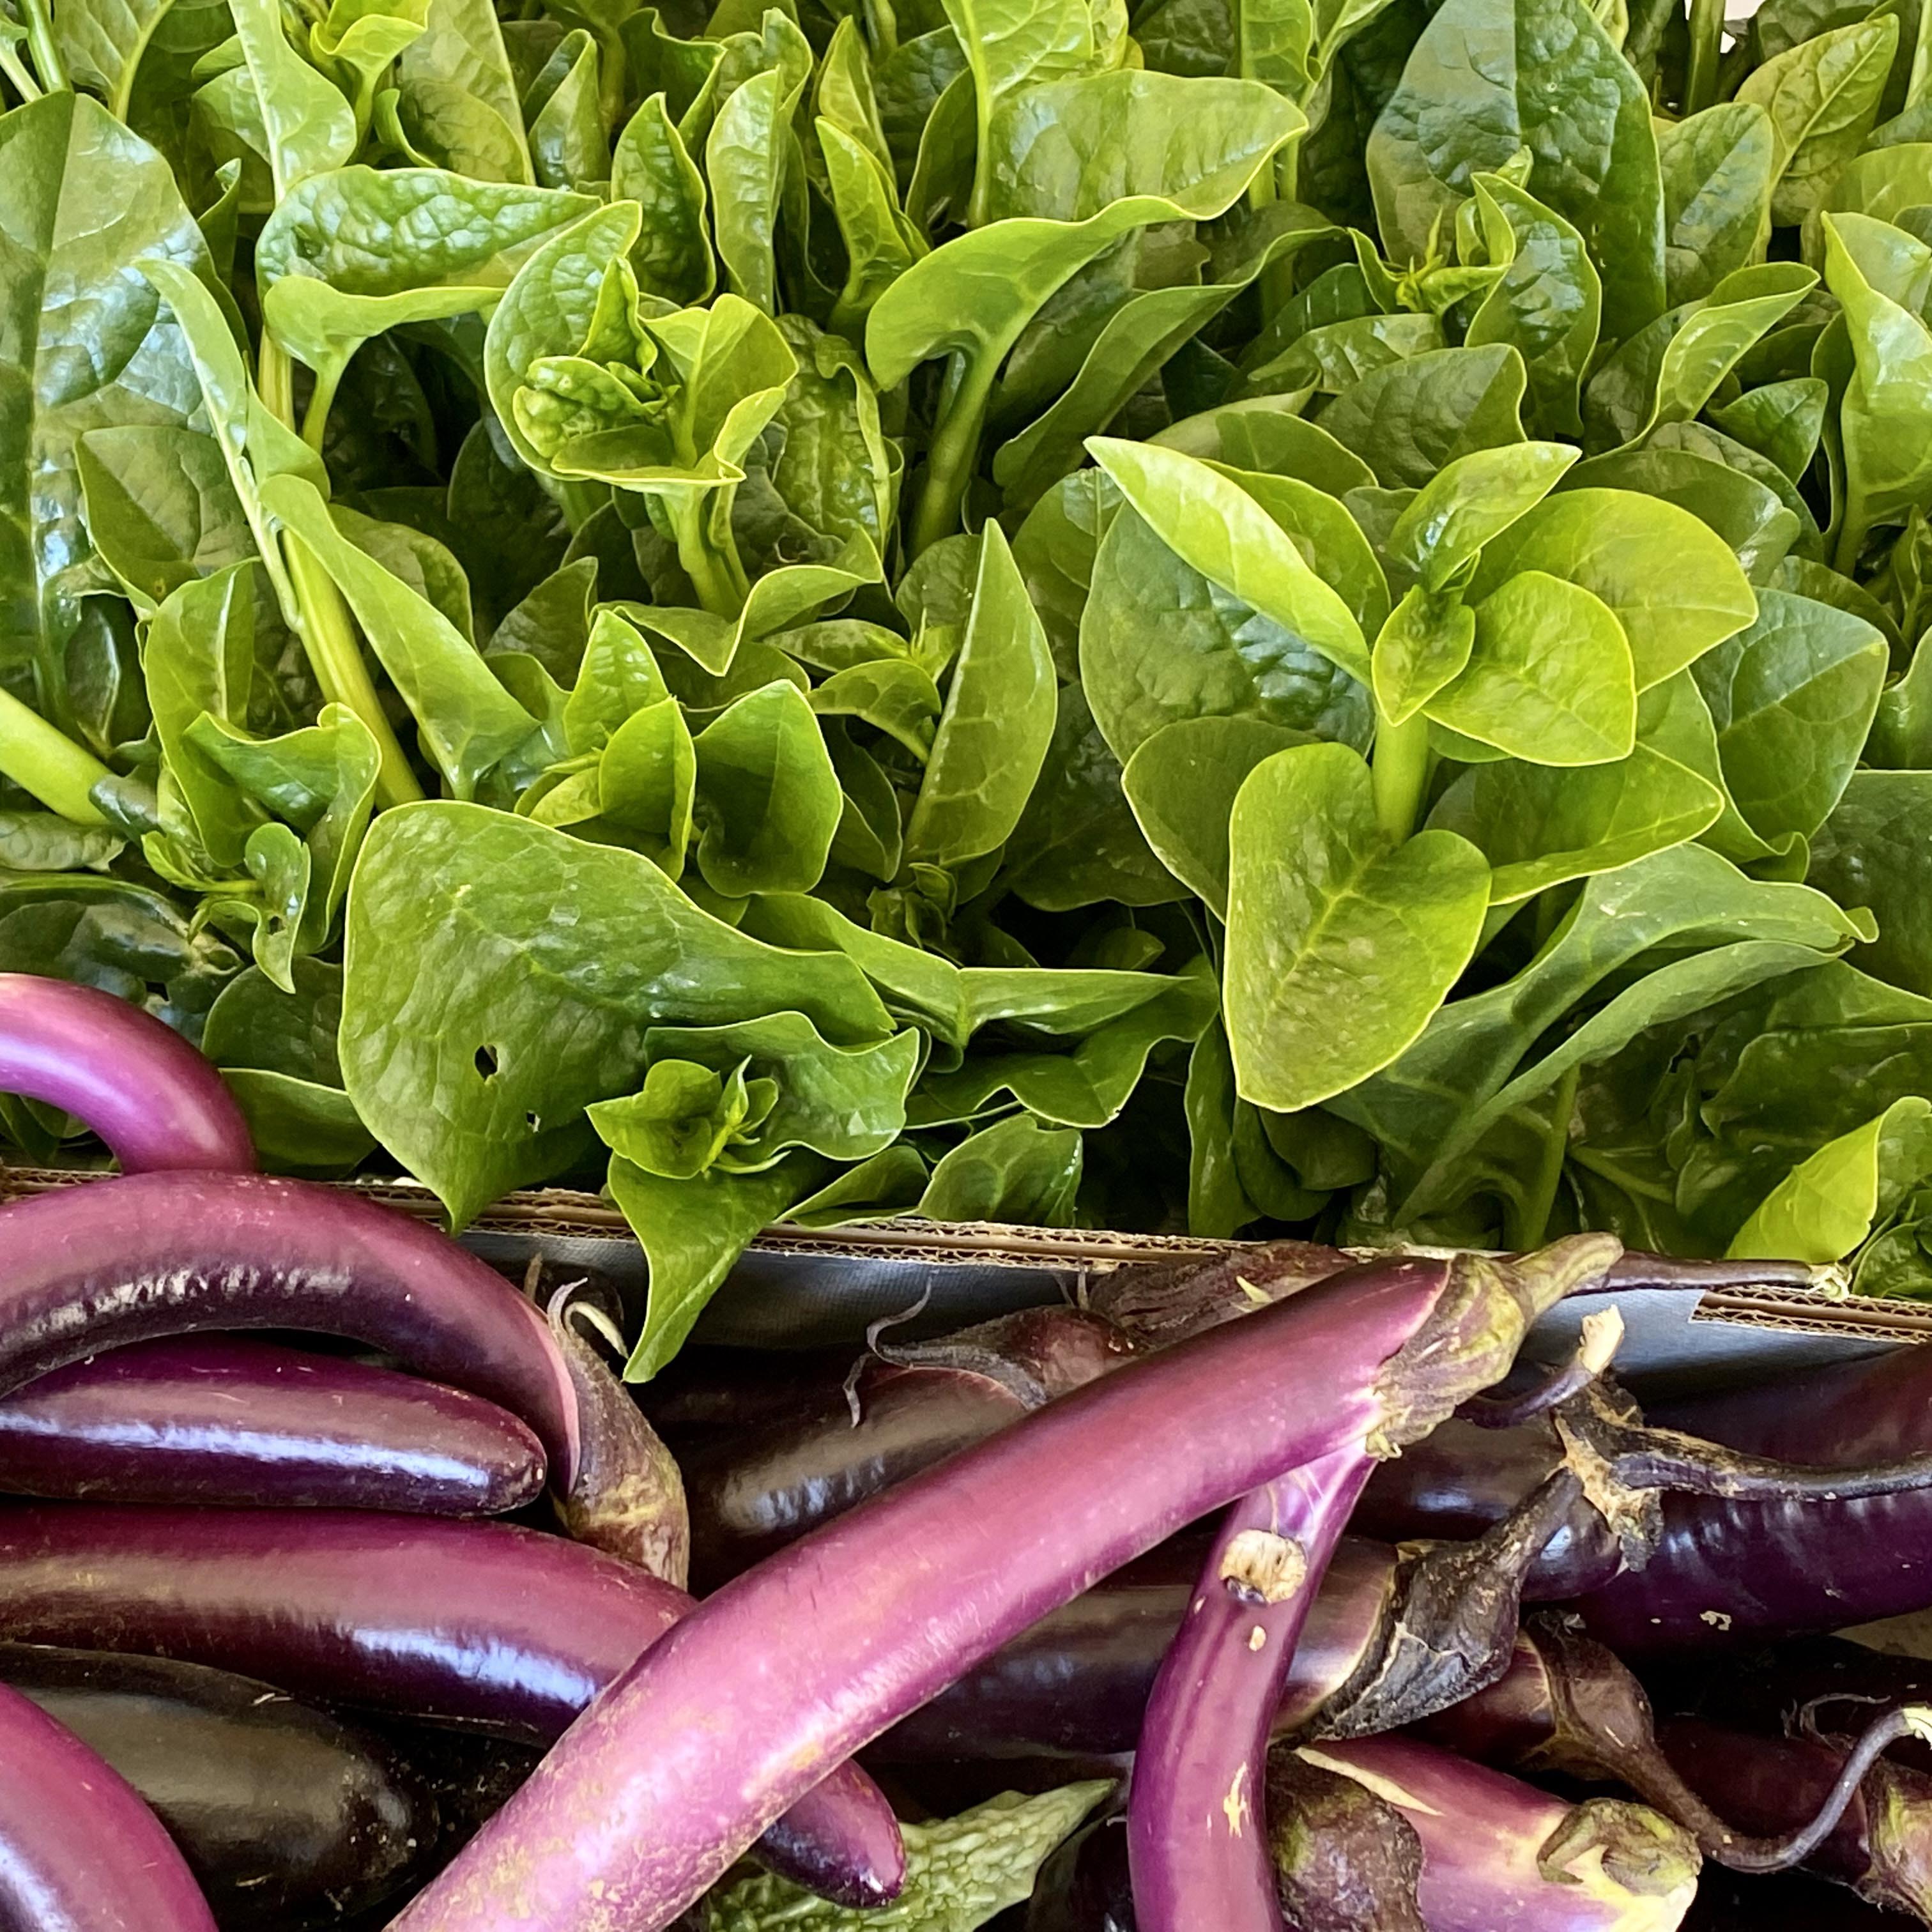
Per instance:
(797,1287)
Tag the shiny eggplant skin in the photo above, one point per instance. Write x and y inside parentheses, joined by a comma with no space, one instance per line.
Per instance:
(288,1819)
(226,1419)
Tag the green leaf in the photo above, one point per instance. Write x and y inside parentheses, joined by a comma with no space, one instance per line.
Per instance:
(469,722)
(1182,783)
(1872,852)
(1540,825)
(1823,97)
(1424,646)
(1610,543)
(650,167)
(1828,1205)
(81,200)
(1017,1170)
(1792,698)
(476,1028)
(308,124)
(353,252)
(569,148)
(1216,528)
(1087,1085)
(998,721)
(1340,944)
(1550,677)
(960,1873)
(1718,167)
(1547,304)
(768,799)
(1416,417)
(1469,501)
(1485,81)
(159,508)
(456,80)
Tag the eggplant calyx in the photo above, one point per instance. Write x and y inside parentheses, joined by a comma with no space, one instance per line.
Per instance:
(1345,1859)
(1635,1849)
(1449,1627)
(1470,1336)
(1899,1877)
(1603,1334)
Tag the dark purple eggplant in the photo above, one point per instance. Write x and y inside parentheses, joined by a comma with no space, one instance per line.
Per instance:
(79,1851)
(1567,1704)
(1194,1836)
(791,1669)
(1882,1847)
(130,1260)
(476,1623)
(155,1101)
(288,1819)
(1497,1854)
(1085,1886)
(228,1420)
(753,1489)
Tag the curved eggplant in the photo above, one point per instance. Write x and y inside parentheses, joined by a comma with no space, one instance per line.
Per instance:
(155,1101)
(287,1819)
(478,1623)
(226,1419)
(79,1851)
(150,1255)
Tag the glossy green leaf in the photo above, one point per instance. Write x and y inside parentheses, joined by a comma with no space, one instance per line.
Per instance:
(1718,167)
(1822,96)
(768,799)
(1827,1206)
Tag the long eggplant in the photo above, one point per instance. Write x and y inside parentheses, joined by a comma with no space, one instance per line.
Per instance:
(288,1819)
(143,1089)
(754,1488)
(230,1420)
(475,1623)
(79,1851)
(1195,1848)
(1497,1853)
(804,1659)
(151,1254)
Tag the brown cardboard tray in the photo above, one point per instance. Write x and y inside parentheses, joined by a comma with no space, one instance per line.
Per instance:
(799,1288)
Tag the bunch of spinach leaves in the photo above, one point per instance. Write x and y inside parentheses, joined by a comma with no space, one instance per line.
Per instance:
(1235,613)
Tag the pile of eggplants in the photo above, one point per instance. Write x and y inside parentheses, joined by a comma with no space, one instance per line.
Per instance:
(342,1584)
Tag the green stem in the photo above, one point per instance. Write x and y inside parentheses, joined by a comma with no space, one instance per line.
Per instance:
(1851,540)
(1707,48)
(15,69)
(322,399)
(956,449)
(1400,767)
(720,588)
(45,50)
(47,763)
(321,619)
(1528,1222)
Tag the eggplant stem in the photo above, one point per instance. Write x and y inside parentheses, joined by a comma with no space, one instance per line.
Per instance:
(1602,1335)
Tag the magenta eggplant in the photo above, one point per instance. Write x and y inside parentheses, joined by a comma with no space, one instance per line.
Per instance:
(79,1851)
(801,1662)
(226,1419)
(130,1260)
(1498,1855)
(475,1623)
(1198,1852)
(142,1088)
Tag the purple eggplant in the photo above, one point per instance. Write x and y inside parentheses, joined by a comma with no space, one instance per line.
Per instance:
(130,1260)
(1344,1859)
(473,1623)
(155,1101)
(1497,1855)
(79,1851)
(1194,1841)
(229,1420)
(801,1662)
(1882,1847)
(754,1489)
(288,1819)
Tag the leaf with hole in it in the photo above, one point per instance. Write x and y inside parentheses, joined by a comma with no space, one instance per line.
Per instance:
(1341,943)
